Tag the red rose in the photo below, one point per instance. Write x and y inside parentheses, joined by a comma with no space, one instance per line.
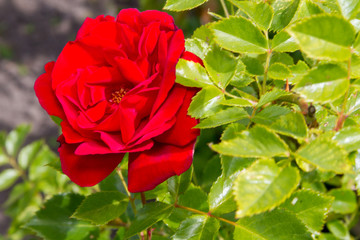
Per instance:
(114,89)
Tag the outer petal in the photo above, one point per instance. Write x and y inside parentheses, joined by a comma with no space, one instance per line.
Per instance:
(182,133)
(86,170)
(46,95)
(150,168)
(191,57)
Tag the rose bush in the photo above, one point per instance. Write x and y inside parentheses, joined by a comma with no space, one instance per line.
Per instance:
(114,90)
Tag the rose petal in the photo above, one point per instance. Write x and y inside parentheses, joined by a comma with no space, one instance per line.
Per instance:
(74,56)
(87,170)
(46,95)
(149,168)
(191,57)
(129,17)
(175,49)
(166,21)
(90,23)
(182,133)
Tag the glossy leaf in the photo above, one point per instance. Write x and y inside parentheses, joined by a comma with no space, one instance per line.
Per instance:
(349,138)
(325,83)
(226,116)
(194,197)
(236,102)
(349,8)
(278,224)
(259,12)
(310,207)
(245,39)
(257,142)
(284,12)
(191,74)
(15,139)
(150,214)
(197,46)
(325,154)
(344,201)
(220,65)
(339,229)
(8,178)
(298,71)
(325,37)
(206,102)
(279,71)
(221,198)
(271,96)
(283,42)
(270,114)
(307,8)
(197,227)
(101,207)
(28,153)
(263,186)
(292,124)
(181,5)
(253,65)
(177,185)
(53,221)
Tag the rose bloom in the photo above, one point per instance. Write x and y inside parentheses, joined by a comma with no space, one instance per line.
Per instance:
(114,89)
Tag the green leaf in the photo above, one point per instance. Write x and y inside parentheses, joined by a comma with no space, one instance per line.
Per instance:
(220,65)
(232,130)
(182,5)
(206,102)
(204,33)
(28,153)
(101,207)
(197,46)
(283,42)
(325,37)
(257,142)
(15,139)
(310,207)
(53,222)
(4,159)
(349,8)
(349,138)
(325,154)
(325,83)
(292,124)
(56,120)
(197,227)
(244,39)
(270,114)
(194,197)
(191,74)
(150,214)
(259,12)
(237,102)
(344,202)
(253,65)
(271,96)
(307,8)
(263,186)
(339,229)
(177,185)
(279,71)
(298,71)
(221,199)
(278,224)
(8,178)
(284,11)
(223,117)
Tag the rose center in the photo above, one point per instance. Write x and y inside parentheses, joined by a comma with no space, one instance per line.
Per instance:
(117,95)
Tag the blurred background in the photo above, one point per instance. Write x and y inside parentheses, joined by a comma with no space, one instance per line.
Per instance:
(32,33)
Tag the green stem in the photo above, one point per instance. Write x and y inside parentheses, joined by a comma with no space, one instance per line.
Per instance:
(224,7)
(342,116)
(148,230)
(205,213)
(132,200)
